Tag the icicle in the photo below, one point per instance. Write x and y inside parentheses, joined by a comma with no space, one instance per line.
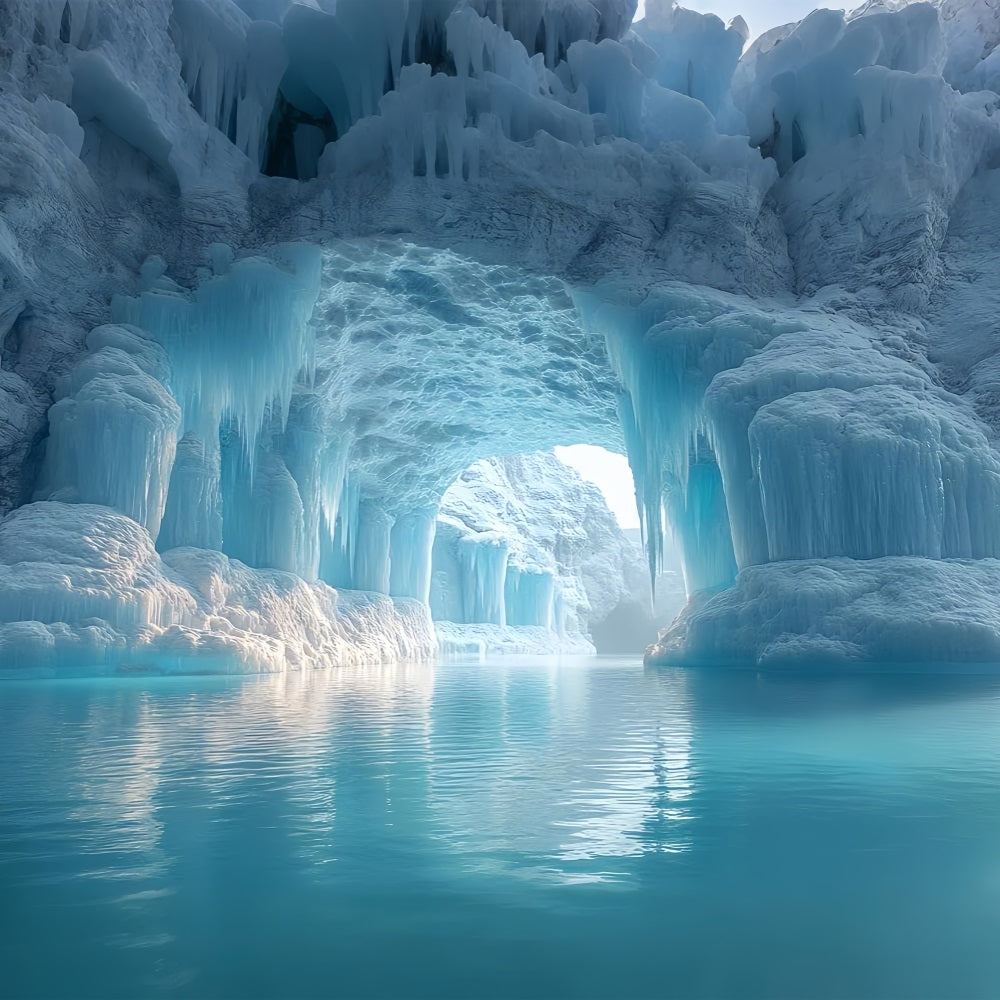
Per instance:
(666,350)
(238,341)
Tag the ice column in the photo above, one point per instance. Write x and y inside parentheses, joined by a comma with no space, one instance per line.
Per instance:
(113,434)
(700,520)
(529,596)
(193,514)
(484,570)
(262,522)
(411,544)
(371,554)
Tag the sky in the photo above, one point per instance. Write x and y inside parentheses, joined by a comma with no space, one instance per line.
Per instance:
(760,15)
(610,473)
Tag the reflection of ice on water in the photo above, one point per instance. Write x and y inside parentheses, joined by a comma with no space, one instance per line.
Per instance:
(526,771)
(322,725)
(277,735)
(557,786)
(637,802)
(116,775)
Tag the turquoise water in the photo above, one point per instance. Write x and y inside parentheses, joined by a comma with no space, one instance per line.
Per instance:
(516,829)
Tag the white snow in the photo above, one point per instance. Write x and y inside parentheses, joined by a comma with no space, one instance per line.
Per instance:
(835,613)
(82,587)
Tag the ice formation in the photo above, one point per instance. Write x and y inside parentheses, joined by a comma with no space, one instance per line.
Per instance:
(527,556)
(273,274)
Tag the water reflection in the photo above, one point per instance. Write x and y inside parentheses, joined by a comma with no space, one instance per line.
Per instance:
(559,772)
(171,821)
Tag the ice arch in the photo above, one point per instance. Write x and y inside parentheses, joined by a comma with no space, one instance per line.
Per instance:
(528,556)
(308,407)
(508,228)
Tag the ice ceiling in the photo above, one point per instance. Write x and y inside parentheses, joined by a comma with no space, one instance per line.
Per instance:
(314,259)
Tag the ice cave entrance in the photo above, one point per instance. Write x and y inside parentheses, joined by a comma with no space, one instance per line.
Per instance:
(542,552)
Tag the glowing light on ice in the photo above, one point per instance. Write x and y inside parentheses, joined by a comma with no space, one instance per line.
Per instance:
(610,473)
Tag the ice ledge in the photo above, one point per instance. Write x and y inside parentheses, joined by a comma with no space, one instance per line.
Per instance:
(899,611)
(482,640)
(82,587)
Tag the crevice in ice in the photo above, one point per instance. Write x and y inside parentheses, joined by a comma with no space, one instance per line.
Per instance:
(296,139)
(66,24)
(798,141)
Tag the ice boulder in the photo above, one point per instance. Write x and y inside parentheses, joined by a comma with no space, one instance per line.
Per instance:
(842,614)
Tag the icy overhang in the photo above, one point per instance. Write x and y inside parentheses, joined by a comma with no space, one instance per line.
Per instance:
(427,360)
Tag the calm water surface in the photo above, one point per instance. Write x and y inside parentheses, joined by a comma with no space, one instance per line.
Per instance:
(514,829)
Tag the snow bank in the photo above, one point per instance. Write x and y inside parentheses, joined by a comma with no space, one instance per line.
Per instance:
(840,612)
(81,586)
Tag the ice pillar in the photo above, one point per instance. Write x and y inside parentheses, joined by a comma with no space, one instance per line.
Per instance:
(411,544)
(484,571)
(193,514)
(529,597)
(371,555)
(113,435)
(700,520)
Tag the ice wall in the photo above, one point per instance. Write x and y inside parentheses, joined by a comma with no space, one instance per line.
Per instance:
(81,587)
(785,441)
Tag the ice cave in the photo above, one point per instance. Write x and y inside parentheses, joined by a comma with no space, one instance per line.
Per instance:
(267,294)
(326,667)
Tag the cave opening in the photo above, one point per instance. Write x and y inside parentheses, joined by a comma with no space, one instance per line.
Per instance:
(543,552)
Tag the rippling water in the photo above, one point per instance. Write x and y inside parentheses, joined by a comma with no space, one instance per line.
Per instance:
(584,829)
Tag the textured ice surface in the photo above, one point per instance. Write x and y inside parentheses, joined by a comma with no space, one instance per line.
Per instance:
(838,611)
(83,585)
(482,640)
(524,542)
(350,248)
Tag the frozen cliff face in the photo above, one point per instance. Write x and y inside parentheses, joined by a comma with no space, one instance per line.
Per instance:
(524,542)
(273,274)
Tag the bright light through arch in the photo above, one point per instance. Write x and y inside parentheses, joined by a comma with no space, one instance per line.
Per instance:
(610,473)
(760,15)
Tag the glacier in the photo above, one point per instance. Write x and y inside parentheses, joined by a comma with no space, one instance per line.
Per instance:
(275,275)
